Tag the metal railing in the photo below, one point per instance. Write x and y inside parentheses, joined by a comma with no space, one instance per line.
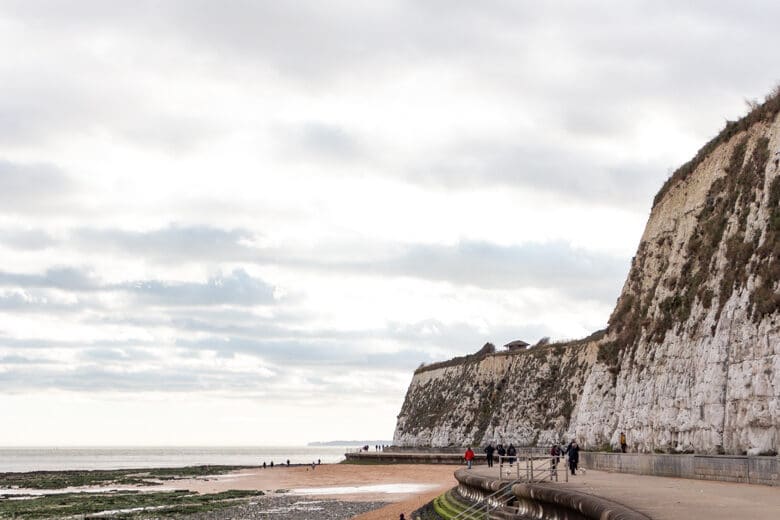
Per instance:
(524,467)
(531,468)
(481,510)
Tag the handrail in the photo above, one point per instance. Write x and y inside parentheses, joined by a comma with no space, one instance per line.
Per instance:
(541,472)
(538,469)
(468,514)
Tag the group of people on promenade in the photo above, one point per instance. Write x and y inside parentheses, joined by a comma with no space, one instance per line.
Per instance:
(510,453)
(572,451)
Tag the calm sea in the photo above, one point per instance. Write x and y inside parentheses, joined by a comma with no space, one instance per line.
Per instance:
(34,459)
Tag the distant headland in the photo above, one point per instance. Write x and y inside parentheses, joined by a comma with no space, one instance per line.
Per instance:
(349,443)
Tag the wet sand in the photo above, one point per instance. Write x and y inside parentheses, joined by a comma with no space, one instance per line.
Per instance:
(436,478)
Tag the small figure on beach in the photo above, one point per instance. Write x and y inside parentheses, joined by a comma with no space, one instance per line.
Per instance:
(263,464)
(573,451)
(623,443)
(272,464)
(288,463)
(469,456)
(402,517)
(489,454)
(319,462)
(313,466)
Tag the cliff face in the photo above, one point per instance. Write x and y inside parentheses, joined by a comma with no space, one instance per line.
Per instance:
(691,358)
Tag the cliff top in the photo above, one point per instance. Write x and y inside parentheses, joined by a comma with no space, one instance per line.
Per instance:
(484,353)
(765,111)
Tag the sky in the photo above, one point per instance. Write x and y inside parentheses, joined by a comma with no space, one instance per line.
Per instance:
(248,222)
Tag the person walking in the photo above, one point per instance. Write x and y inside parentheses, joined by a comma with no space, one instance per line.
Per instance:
(469,456)
(501,452)
(555,458)
(489,454)
(573,451)
(511,452)
(623,443)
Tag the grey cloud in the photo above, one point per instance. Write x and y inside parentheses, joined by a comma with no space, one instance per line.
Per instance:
(125,355)
(321,141)
(14,359)
(570,175)
(26,303)
(21,344)
(26,239)
(173,243)
(74,91)
(584,273)
(65,278)
(237,288)
(238,384)
(32,187)
(286,347)
(96,379)
(556,265)
(313,353)
(618,63)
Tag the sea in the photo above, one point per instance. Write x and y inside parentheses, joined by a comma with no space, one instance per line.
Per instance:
(86,458)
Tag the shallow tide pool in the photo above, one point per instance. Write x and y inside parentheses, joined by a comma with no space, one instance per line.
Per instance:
(375,488)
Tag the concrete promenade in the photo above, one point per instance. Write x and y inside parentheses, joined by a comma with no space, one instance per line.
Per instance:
(664,498)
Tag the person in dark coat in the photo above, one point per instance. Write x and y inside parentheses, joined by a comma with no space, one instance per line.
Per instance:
(555,457)
(489,454)
(511,453)
(501,452)
(573,451)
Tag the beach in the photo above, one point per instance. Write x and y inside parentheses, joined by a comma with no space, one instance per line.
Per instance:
(327,491)
(370,483)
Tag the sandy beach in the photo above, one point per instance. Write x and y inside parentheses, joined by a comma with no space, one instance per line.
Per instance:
(384,481)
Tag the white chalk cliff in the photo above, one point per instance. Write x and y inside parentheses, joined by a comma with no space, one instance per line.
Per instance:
(690,360)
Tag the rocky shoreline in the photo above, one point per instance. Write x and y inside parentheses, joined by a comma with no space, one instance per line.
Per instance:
(288,507)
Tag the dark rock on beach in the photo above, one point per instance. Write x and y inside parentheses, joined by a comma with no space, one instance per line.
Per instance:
(277,507)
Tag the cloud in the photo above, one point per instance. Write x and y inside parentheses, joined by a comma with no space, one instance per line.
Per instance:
(321,141)
(236,288)
(574,175)
(34,302)
(65,278)
(173,243)
(32,187)
(26,239)
(555,265)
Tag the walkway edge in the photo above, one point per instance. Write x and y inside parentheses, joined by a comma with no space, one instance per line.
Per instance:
(544,501)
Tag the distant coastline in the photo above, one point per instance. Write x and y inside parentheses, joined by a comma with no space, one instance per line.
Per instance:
(65,459)
(349,443)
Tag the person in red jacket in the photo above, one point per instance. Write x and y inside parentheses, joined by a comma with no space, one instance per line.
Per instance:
(469,456)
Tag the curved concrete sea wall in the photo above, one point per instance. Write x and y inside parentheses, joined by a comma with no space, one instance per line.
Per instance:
(529,500)
(690,361)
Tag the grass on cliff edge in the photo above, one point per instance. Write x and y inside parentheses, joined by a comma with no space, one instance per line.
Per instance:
(132,504)
(123,477)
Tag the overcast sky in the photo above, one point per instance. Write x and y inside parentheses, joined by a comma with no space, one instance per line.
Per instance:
(248,222)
